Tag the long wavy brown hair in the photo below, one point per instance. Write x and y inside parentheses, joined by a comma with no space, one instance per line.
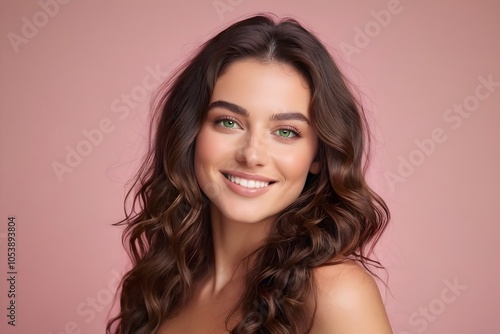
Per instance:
(167,229)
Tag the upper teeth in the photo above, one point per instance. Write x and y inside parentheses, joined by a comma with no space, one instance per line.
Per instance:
(247,183)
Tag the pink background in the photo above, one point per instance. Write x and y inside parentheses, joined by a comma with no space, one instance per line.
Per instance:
(73,73)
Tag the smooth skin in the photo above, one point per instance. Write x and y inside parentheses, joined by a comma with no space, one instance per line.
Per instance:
(257,129)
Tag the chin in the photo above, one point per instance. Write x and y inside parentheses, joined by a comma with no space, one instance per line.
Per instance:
(248,215)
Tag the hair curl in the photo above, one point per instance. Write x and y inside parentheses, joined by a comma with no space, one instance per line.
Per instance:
(169,238)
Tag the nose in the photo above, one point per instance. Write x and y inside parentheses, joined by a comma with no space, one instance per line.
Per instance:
(253,150)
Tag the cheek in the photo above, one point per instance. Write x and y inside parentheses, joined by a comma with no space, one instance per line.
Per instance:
(296,165)
(209,151)
(204,145)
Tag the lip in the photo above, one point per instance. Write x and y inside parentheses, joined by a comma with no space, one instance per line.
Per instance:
(244,191)
(247,176)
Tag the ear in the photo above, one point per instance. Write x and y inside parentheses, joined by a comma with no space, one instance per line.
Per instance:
(315,167)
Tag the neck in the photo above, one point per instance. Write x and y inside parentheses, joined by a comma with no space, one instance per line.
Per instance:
(233,241)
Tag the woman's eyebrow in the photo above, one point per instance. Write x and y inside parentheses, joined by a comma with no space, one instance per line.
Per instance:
(242,111)
(229,106)
(290,116)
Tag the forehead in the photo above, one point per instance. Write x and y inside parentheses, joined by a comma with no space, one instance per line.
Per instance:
(255,84)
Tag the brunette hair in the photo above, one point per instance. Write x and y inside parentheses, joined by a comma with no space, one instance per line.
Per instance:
(169,238)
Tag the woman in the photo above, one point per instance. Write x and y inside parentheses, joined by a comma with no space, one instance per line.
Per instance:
(255,215)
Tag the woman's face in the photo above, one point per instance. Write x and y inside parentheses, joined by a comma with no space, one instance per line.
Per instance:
(256,147)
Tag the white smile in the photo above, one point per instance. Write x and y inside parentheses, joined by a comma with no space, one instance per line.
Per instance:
(246,183)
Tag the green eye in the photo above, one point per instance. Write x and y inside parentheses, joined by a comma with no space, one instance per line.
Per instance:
(286,133)
(228,123)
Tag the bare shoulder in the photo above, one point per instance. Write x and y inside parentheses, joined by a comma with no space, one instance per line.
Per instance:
(348,301)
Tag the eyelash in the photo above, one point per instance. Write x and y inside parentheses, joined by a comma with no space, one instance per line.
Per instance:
(226,118)
(296,132)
